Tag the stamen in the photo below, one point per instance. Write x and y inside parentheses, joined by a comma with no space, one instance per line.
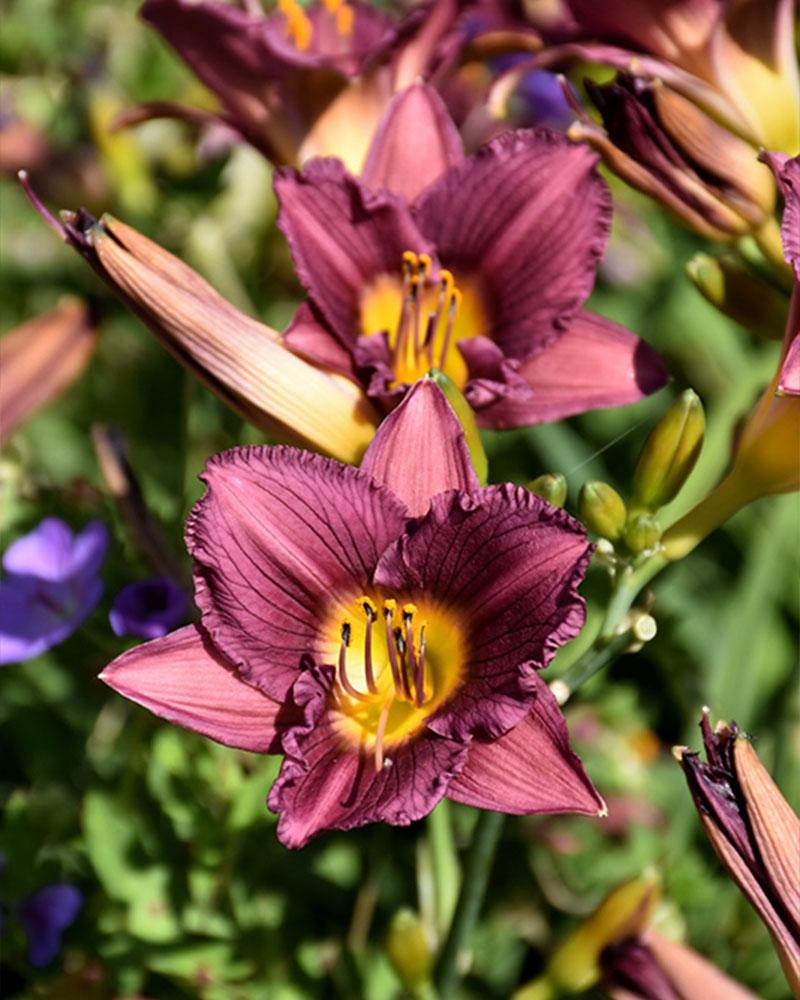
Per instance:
(345,19)
(298,25)
(408,616)
(425,265)
(380,734)
(371,613)
(388,612)
(419,679)
(452,312)
(343,679)
(400,643)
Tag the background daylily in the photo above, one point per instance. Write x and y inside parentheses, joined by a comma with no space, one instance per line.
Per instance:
(51,586)
(476,265)
(301,81)
(377,628)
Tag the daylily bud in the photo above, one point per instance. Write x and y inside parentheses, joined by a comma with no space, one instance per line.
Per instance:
(625,912)
(552,487)
(408,951)
(670,453)
(40,358)
(240,359)
(753,830)
(466,417)
(739,294)
(602,509)
(642,532)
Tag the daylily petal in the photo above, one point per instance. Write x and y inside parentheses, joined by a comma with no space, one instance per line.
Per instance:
(787,174)
(414,144)
(693,977)
(40,359)
(311,339)
(342,236)
(532,769)
(182,678)
(789,380)
(510,564)
(595,363)
(419,449)
(536,253)
(323,786)
(280,537)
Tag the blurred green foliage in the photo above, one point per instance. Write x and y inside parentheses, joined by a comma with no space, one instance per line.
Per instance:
(188,892)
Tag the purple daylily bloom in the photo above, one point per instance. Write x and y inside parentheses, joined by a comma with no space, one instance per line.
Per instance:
(51,586)
(382,627)
(300,81)
(44,916)
(148,608)
(476,265)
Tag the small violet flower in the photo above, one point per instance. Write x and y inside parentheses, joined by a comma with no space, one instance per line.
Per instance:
(44,916)
(382,627)
(51,587)
(148,608)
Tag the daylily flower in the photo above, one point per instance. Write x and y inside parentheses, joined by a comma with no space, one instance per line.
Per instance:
(703,85)
(753,831)
(477,265)
(42,358)
(381,627)
(766,458)
(239,359)
(301,81)
(51,586)
(148,608)
(618,947)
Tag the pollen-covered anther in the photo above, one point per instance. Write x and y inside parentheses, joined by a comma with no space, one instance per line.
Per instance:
(298,24)
(343,14)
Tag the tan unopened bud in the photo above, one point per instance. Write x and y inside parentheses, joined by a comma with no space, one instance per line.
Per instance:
(408,951)
(670,453)
(240,359)
(40,359)
(552,487)
(602,509)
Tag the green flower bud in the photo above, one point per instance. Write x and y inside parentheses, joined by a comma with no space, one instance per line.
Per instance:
(602,509)
(552,487)
(408,951)
(669,453)
(466,416)
(727,284)
(642,532)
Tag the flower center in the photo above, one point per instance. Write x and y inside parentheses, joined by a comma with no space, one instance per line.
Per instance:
(424,319)
(395,665)
(299,28)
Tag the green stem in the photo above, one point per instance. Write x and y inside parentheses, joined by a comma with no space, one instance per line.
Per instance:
(589,664)
(444,861)
(473,888)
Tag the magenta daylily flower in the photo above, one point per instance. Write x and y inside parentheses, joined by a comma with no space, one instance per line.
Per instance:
(382,627)
(475,265)
(300,81)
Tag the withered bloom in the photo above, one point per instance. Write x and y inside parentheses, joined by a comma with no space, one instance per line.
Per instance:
(41,358)
(753,830)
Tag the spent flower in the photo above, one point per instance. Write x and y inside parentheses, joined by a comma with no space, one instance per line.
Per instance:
(382,627)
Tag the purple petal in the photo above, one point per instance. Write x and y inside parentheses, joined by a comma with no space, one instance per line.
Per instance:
(183,679)
(281,538)
(89,550)
(148,608)
(414,144)
(532,769)
(419,449)
(508,565)
(527,217)
(595,363)
(787,174)
(45,915)
(311,339)
(45,552)
(324,785)
(342,237)
(789,379)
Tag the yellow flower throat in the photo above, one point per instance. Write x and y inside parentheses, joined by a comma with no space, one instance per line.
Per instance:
(424,319)
(395,666)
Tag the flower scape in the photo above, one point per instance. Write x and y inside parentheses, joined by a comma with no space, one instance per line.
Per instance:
(399,454)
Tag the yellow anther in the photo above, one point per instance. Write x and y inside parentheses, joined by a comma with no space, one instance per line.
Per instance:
(456,300)
(425,264)
(365,603)
(332,5)
(298,26)
(345,18)
(390,605)
(409,609)
(448,282)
